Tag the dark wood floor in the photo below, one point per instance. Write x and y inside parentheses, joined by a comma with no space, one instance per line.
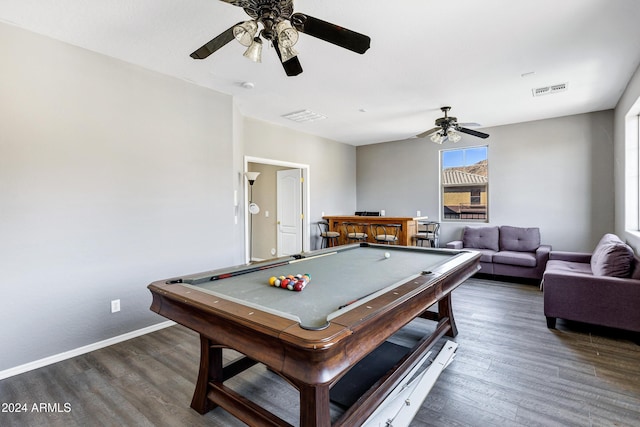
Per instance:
(510,370)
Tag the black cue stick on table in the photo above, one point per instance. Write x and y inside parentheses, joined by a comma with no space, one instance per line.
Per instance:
(236,273)
(296,258)
(356,300)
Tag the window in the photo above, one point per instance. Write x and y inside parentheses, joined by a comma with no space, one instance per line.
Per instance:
(465,181)
(632,170)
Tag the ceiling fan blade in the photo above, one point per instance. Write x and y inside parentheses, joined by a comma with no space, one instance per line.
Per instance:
(215,44)
(292,67)
(429,132)
(331,33)
(472,132)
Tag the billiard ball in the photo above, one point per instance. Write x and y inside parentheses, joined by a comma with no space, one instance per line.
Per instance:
(387,255)
(272,280)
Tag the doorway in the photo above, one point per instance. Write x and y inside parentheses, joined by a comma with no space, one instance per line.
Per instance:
(269,232)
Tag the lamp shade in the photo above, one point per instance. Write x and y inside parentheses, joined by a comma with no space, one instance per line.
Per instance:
(254,52)
(287,53)
(453,136)
(251,176)
(245,32)
(287,35)
(437,137)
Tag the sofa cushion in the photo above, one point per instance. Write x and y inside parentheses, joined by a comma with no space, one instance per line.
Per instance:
(486,255)
(524,259)
(480,238)
(558,266)
(519,239)
(612,257)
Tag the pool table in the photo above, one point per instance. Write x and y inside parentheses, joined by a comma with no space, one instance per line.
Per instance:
(356,299)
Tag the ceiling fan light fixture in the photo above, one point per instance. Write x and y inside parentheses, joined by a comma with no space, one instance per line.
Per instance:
(254,51)
(245,32)
(453,136)
(287,35)
(437,137)
(287,53)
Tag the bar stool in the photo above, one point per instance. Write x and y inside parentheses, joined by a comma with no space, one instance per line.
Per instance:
(428,231)
(386,233)
(329,238)
(356,232)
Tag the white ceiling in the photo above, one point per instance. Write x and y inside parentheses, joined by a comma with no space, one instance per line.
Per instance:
(482,57)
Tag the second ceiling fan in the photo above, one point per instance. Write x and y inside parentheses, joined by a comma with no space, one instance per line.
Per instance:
(280,26)
(447,128)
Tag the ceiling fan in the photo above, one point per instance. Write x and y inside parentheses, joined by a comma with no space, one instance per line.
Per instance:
(447,128)
(280,26)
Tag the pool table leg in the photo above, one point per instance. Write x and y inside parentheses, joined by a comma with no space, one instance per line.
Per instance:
(314,405)
(210,370)
(446,310)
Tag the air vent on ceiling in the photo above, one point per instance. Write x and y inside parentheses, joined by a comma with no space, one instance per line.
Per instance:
(550,89)
(304,116)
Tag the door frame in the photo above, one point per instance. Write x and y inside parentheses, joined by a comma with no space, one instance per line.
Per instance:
(306,198)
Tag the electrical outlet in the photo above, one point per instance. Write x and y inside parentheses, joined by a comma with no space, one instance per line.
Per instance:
(115,305)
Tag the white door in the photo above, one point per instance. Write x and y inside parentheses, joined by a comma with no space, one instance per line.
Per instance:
(289,211)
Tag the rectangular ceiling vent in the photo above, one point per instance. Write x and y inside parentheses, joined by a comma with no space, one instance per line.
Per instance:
(304,116)
(550,89)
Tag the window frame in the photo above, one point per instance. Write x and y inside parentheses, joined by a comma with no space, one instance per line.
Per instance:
(444,216)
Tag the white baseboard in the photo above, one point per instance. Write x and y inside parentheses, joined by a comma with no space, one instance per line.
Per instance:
(81,350)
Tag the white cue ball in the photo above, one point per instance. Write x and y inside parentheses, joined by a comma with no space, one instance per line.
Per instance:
(387,255)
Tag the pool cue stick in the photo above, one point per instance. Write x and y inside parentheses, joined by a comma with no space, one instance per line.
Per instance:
(248,270)
(358,299)
(313,257)
(235,273)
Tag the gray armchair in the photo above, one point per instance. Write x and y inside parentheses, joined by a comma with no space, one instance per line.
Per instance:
(602,288)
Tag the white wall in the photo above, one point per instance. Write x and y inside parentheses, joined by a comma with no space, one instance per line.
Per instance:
(554,174)
(111,177)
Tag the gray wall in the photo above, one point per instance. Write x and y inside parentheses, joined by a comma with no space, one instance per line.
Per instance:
(332,176)
(554,174)
(112,176)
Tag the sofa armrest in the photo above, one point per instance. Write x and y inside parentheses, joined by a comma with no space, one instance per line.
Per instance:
(456,244)
(583,257)
(543,251)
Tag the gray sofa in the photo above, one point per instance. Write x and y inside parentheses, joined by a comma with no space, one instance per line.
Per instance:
(602,288)
(506,251)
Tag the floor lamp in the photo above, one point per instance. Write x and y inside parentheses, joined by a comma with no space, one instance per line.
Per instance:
(253,208)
